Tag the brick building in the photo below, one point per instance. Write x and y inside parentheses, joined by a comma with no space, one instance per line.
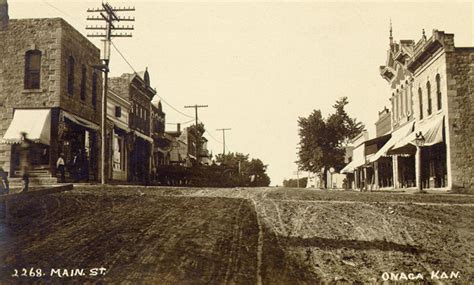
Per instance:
(50,90)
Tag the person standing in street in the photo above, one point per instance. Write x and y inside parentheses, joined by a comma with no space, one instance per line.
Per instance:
(25,146)
(4,186)
(61,168)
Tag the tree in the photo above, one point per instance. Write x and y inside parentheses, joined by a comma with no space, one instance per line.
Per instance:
(252,171)
(322,140)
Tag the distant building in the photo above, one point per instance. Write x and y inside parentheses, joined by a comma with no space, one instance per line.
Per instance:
(383,125)
(50,90)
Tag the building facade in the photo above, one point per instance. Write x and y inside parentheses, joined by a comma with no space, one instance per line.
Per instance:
(118,136)
(431,98)
(136,89)
(50,90)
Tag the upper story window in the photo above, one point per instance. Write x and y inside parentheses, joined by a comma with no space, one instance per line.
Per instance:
(428,91)
(32,69)
(83,82)
(70,75)
(118,111)
(420,100)
(438,91)
(94,90)
(411,98)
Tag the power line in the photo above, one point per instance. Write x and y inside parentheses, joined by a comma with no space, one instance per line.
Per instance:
(207,132)
(110,16)
(120,53)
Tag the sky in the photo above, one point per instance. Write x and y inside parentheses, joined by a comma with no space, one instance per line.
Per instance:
(259,65)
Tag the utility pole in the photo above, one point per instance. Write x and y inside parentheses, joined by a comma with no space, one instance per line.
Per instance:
(109,15)
(223,138)
(198,139)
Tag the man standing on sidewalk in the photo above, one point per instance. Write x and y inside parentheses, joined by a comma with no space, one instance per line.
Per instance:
(61,168)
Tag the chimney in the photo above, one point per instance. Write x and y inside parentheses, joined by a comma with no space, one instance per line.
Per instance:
(179,127)
(4,18)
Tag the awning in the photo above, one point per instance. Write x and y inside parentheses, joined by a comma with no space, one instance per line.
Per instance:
(349,168)
(143,136)
(397,136)
(432,130)
(358,156)
(36,123)
(80,121)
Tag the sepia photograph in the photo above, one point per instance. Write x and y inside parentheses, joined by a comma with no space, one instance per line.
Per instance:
(236,142)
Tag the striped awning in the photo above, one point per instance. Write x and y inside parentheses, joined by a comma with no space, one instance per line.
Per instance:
(36,123)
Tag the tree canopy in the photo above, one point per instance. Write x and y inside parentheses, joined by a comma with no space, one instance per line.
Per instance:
(322,140)
(252,171)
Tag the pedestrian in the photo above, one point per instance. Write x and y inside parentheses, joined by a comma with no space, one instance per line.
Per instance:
(61,168)
(75,167)
(4,185)
(25,147)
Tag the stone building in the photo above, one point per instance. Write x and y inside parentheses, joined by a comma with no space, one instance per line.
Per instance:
(136,89)
(431,83)
(50,90)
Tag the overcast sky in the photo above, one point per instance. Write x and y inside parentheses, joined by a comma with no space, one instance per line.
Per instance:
(261,65)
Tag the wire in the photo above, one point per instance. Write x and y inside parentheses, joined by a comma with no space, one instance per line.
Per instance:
(213,137)
(183,123)
(161,98)
(120,53)
(184,114)
(64,13)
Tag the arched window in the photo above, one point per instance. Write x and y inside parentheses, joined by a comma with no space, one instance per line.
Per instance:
(32,69)
(438,91)
(411,98)
(428,91)
(83,82)
(94,90)
(420,100)
(70,76)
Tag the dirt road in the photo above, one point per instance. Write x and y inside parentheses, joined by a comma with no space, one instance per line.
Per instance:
(236,236)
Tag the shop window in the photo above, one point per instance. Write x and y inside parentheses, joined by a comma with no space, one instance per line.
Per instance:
(32,69)
(438,91)
(420,100)
(70,76)
(83,82)
(94,90)
(428,91)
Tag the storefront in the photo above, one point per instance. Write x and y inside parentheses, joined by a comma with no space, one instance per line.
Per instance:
(54,132)
(140,158)
(433,154)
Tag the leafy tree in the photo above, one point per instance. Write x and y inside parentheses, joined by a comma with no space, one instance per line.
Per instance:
(293,183)
(322,140)
(252,171)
